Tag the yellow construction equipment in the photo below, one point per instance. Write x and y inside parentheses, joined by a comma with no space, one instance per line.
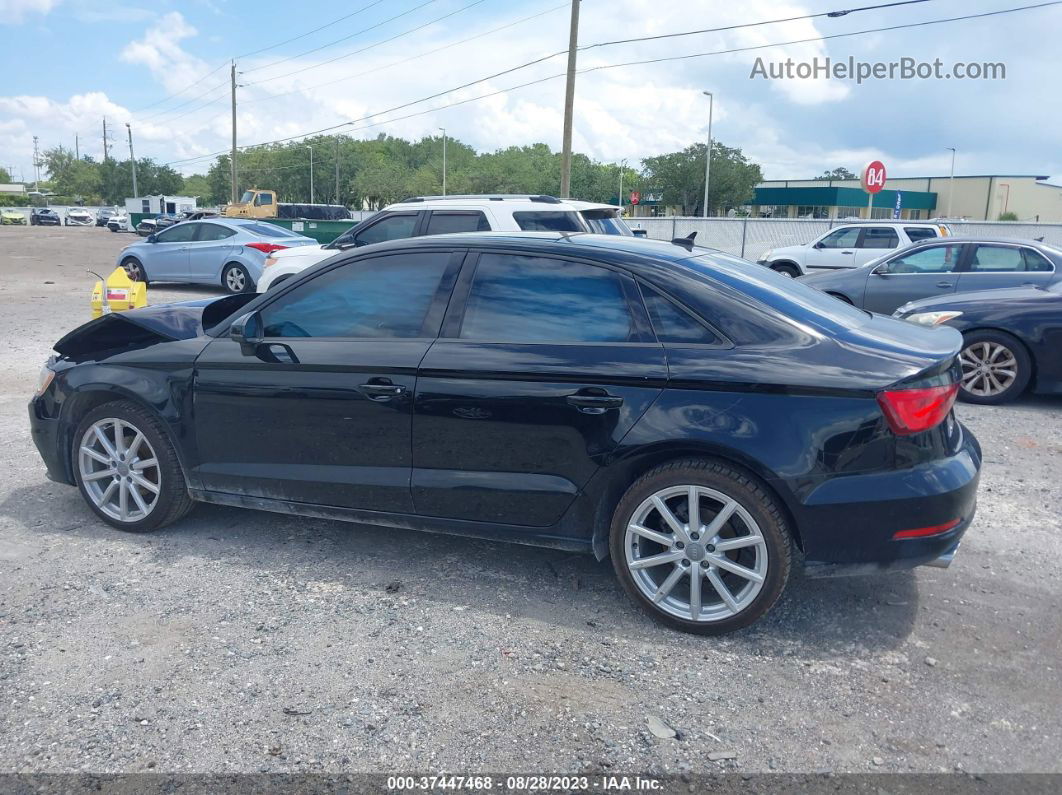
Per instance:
(117,293)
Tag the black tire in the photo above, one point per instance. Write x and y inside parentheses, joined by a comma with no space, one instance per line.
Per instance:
(173,501)
(134,269)
(786,269)
(236,279)
(735,484)
(973,349)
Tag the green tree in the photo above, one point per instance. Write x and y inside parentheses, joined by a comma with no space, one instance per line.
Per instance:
(1008,216)
(5,177)
(679,176)
(198,185)
(837,173)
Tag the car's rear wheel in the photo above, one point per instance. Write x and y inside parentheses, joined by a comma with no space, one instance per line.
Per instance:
(786,269)
(134,269)
(996,368)
(701,546)
(127,470)
(236,279)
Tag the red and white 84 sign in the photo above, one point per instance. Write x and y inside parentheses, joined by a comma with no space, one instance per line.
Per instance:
(873,179)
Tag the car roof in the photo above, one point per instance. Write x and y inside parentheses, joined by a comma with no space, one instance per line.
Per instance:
(511,201)
(979,239)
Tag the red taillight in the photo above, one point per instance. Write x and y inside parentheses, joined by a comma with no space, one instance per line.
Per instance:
(932,530)
(265,248)
(916,410)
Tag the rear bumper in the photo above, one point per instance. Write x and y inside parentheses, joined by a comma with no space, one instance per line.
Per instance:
(847,525)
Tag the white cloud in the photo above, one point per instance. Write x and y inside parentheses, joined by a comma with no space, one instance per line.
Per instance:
(12,12)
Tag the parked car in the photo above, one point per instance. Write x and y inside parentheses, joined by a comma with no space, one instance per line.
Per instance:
(938,267)
(849,246)
(684,411)
(104,214)
(432,215)
(79,216)
(12,217)
(159,222)
(225,251)
(119,222)
(1012,339)
(44,216)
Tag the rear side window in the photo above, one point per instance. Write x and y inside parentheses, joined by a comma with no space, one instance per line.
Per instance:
(380,297)
(548,221)
(269,230)
(997,259)
(543,300)
(880,237)
(209,232)
(448,223)
(917,233)
(673,324)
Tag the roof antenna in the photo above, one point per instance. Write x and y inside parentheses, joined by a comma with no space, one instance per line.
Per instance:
(685,242)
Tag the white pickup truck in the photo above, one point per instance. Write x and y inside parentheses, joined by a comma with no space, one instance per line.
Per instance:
(849,245)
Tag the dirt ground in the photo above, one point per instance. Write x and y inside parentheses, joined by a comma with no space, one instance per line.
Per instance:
(243,641)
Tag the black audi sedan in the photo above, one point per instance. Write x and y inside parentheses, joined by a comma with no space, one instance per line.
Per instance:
(693,416)
(1012,339)
(44,216)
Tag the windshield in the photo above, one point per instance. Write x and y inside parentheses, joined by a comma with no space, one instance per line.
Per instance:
(248,195)
(606,222)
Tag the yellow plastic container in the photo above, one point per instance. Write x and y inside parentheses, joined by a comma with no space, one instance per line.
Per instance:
(121,294)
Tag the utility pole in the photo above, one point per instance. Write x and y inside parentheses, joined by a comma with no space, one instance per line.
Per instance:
(951,180)
(337,171)
(132,159)
(232,79)
(36,167)
(569,104)
(708,159)
(311,173)
(77,151)
(623,165)
(444,159)
(105,153)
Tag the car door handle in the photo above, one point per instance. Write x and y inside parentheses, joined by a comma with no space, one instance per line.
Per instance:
(381,389)
(945,284)
(594,404)
(848,252)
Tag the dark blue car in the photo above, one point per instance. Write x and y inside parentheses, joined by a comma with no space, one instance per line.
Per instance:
(692,416)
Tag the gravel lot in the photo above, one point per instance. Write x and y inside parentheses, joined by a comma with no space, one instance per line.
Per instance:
(243,641)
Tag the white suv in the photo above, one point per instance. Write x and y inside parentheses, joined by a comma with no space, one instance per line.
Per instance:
(437,215)
(849,246)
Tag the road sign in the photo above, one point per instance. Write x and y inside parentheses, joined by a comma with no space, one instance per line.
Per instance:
(873,179)
(635,197)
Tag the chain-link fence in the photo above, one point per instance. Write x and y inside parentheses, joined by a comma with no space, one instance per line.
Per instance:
(751,237)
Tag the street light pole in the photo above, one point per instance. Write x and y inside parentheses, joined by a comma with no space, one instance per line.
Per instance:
(132,159)
(708,159)
(951,180)
(623,165)
(444,159)
(311,173)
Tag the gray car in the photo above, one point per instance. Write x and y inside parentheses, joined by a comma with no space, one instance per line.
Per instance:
(941,266)
(229,252)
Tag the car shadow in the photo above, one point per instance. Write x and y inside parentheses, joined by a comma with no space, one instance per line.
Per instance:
(815,618)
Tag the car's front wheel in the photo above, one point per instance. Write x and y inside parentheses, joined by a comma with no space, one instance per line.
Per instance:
(701,546)
(996,368)
(127,470)
(134,269)
(236,279)
(786,269)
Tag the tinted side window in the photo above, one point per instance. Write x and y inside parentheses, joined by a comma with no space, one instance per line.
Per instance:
(1035,261)
(997,259)
(394,227)
(935,259)
(880,237)
(178,233)
(917,233)
(269,230)
(379,297)
(842,238)
(548,221)
(673,324)
(537,299)
(447,223)
(214,232)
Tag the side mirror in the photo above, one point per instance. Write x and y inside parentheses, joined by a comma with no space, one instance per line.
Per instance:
(152,238)
(247,330)
(881,270)
(641,232)
(820,244)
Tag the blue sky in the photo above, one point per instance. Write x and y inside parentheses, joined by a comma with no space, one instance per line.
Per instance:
(70,62)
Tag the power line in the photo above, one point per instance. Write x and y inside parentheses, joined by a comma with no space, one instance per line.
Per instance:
(849,34)
(410,58)
(309,32)
(337,41)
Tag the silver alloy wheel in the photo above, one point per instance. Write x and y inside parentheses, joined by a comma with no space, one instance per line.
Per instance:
(696,553)
(134,271)
(119,470)
(988,368)
(235,280)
